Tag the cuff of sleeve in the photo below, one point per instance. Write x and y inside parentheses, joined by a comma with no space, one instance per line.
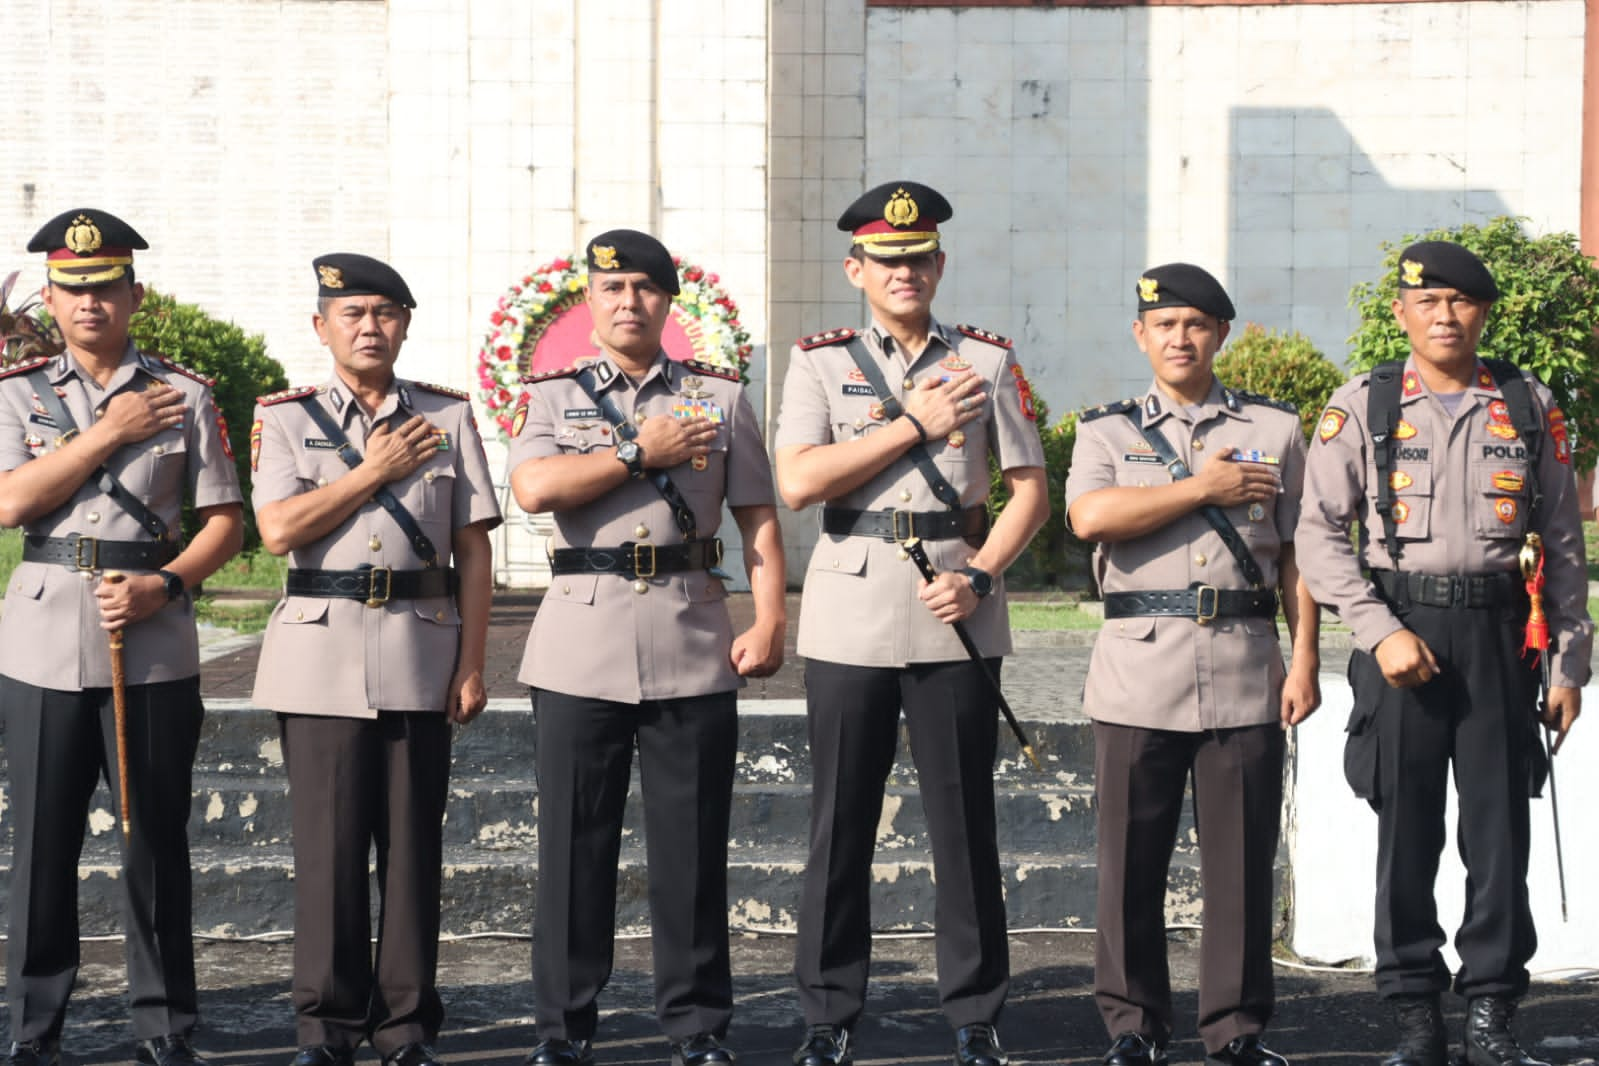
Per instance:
(1372,625)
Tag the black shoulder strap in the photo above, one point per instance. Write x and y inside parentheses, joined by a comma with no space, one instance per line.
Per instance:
(943,491)
(1214,515)
(420,543)
(107,481)
(682,513)
(1382,418)
(1524,417)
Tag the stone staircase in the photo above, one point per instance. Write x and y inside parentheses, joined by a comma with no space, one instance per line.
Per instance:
(240,831)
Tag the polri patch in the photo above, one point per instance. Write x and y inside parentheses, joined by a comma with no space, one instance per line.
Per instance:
(1332,423)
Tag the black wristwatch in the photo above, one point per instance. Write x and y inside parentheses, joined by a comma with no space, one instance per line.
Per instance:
(173,583)
(982,581)
(632,457)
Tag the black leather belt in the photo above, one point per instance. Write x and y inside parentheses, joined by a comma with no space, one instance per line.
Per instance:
(373,585)
(1202,603)
(92,553)
(903,525)
(1404,588)
(638,559)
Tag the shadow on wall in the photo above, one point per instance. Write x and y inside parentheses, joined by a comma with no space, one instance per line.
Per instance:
(1309,212)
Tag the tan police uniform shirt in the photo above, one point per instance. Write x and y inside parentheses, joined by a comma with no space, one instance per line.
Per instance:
(604,636)
(1460,491)
(50,633)
(1172,673)
(340,657)
(860,605)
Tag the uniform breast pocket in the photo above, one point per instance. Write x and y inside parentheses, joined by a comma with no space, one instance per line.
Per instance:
(1499,498)
(1412,485)
(162,461)
(436,481)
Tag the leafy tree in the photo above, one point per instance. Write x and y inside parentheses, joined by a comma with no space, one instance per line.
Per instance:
(1054,554)
(1545,320)
(1284,366)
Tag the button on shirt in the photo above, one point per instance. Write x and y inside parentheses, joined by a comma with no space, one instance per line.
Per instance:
(50,633)
(340,657)
(1461,497)
(1172,673)
(861,603)
(598,635)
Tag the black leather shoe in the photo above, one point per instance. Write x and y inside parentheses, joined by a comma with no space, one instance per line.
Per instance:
(324,1055)
(1422,1041)
(415,1053)
(168,1051)
(1488,1038)
(701,1049)
(825,1045)
(978,1045)
(559,1051)
(1246,1050)
(34,1053)
(1133,1049)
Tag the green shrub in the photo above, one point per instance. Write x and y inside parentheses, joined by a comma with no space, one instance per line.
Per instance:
(237,360)
(1284,366)
(1545,319)
(1054,557)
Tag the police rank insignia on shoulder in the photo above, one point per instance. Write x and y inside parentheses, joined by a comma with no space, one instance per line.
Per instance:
(442,390)
(551,375)
(193,375)
(711,370)
(24,367)
(1332,423)
(1120,407)
(822,340)
(272,399)
(1266,401)
(987,336)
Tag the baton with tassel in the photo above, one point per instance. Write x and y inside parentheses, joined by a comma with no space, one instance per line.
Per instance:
(1537,642)
(119,704)
(918,553)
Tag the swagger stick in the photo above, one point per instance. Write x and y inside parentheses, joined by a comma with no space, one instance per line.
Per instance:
(119,704)
(918,553)
(1537,641)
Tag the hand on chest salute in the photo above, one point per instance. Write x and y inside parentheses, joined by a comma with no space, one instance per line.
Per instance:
(1228,482)
(136,416)
(945,406)
(667,441)
(397,453)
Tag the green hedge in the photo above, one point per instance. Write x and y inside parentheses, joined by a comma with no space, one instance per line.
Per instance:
(1284,366)
(1054,557)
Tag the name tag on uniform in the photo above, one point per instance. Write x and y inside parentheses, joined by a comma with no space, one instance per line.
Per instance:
(858,390)
(581,412)
(321,443)
(1140,457)
(42,420)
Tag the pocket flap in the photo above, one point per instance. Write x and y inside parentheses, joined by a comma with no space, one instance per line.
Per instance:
(439,612)
(301,610)
(572,588)
(841,555)
(27,581)
(1130,628)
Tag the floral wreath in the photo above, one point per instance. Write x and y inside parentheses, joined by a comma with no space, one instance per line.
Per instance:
(704,310)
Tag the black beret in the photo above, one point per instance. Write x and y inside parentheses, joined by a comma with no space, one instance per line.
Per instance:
(897,218)
(627,251)
(352,274)
(86,246)
(1446,265)
(1184,285)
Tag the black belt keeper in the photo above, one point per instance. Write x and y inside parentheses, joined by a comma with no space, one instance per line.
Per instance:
(372,585)
(636,559)
(1202,603)
(92,553)
(903,525)
(1405,588)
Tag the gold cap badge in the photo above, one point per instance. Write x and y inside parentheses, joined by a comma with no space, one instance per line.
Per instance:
(1148,290)
(901,210)
(83,236)
(330,276)
(605,257)
(1411,271)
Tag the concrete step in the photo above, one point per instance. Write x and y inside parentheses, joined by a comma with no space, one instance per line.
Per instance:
(249,893)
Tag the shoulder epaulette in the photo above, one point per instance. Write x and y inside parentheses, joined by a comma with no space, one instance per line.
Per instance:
(1088,414)
(822,340)
(24,367)
(442,390)
(1265,401)
(284,396)
(193,375)
(711,370)
(551,375)
(987,336)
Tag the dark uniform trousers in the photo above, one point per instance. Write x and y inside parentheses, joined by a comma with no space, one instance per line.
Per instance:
(1140,776)
(687,749)
(355,783)
(853,719)
(1479,711)
(59,744)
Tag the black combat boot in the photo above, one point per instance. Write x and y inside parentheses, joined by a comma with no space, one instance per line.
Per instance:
(1421,1032)
(1488,1039)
